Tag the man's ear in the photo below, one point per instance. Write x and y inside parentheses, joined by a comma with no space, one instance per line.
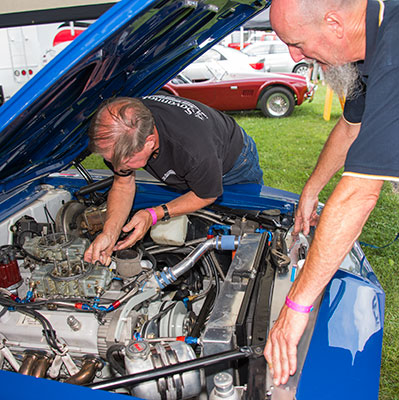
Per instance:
(334,24)
(150,140)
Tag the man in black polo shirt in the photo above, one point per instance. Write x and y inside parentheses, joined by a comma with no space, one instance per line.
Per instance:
(183,143)
(365,141)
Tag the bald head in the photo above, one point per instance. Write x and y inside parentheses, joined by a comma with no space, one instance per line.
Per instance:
(318,8)
(308,10)
(329,31)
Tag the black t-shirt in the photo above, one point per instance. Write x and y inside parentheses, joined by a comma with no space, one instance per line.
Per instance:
(375,152)
(197,144)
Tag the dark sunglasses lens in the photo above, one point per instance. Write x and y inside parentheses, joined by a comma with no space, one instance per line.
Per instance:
(126,172)
(109,165)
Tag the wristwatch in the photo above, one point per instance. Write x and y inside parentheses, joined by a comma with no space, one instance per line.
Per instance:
(166,215)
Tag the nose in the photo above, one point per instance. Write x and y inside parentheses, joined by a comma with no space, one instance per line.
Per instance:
(296,54)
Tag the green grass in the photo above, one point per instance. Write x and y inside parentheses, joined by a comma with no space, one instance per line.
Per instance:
(288,150)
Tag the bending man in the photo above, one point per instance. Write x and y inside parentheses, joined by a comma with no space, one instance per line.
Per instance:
(183,143)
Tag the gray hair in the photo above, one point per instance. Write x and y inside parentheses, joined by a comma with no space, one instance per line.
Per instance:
(344,80)
(126,129)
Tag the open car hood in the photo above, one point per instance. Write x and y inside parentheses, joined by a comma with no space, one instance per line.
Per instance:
(132,50)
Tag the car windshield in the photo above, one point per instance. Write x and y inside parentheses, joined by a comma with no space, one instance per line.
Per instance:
(217,71)
(180,79)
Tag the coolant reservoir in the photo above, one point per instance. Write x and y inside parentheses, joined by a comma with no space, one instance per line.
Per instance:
(224,389)
(172,232)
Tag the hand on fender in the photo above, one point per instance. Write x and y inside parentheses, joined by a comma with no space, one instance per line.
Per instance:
(281,347)
(306,215)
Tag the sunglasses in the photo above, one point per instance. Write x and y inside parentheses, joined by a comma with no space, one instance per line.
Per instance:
(122,172)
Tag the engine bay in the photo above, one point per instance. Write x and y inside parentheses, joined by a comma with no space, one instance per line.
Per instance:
(178,316)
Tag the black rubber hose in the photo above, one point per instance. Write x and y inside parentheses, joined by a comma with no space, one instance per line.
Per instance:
(93,187)
(208,259)
(113,361)
(150,257)
(203,315)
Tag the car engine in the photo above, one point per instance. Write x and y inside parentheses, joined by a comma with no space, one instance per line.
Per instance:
(180,311)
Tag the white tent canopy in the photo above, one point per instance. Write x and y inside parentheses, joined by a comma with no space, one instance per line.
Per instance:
(27,12)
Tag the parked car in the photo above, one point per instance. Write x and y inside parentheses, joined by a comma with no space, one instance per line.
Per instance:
(276,57)
(237,45)
(275,95)
(250,36)
(231,60)
(128,329)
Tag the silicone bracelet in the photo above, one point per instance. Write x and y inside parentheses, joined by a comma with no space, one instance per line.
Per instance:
(297,307)
(153,215)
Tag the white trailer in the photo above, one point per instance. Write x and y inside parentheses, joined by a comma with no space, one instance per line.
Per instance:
(33,32)
(24,51)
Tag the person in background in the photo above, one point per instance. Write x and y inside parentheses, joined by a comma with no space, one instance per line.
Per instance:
(355,43)
(315,73)
(183,143)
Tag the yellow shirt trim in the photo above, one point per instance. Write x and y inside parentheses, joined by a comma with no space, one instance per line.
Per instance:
(381,14)
(374,177)
(350,123)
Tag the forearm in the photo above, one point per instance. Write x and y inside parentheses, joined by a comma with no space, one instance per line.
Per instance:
(143,219)
(332,157)
(340,225)
(188,202)
(119,204)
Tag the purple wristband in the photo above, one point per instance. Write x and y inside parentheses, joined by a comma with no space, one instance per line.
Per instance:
(297,307)
(153,215)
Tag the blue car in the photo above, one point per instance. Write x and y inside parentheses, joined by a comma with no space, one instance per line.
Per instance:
(70,328)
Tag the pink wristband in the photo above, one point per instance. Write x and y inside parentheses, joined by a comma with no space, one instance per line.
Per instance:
(297,307)
(153,215)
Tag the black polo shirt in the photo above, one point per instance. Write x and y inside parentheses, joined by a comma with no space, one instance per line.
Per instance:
(375,152)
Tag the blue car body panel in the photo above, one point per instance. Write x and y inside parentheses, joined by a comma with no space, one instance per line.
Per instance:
(18,386)
(344,356)
(132,50)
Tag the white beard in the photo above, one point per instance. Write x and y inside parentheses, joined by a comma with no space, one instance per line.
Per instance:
(343,79)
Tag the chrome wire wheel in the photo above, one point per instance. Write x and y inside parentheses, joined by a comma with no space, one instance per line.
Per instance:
(277,102)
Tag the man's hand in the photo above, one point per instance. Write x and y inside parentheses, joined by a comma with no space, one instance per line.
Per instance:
(101,249)
(119,204)
(306,213)
(281,347)
(140,223)
(104,244)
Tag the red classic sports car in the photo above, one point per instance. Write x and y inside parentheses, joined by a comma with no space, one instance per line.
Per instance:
(274,94)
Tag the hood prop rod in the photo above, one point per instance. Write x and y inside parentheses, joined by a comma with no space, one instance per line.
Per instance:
(201,362)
